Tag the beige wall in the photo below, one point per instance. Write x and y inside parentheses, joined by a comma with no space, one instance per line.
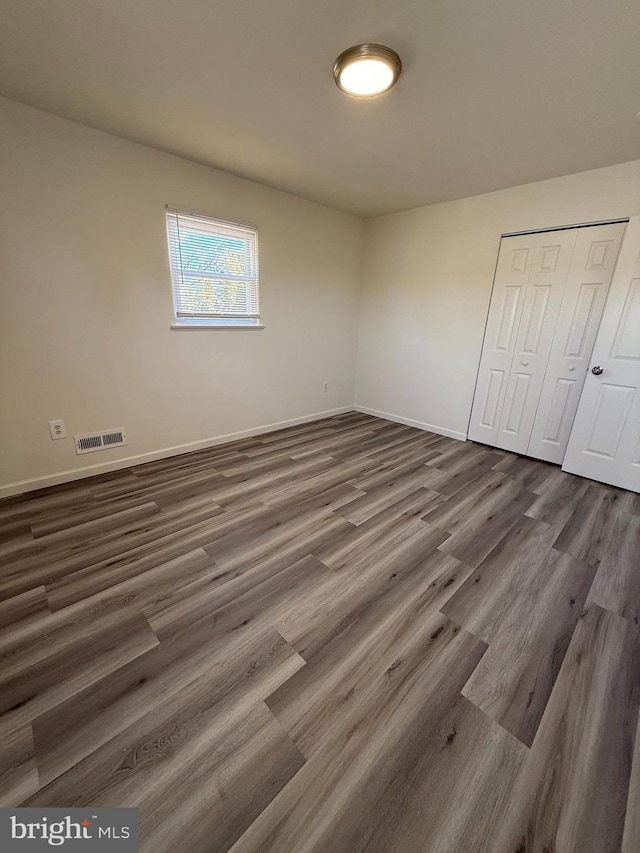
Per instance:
(86,302)
(427,284)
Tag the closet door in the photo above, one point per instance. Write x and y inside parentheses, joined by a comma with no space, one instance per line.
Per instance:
(543,298)
(585,294)
(605,440)
(510,283)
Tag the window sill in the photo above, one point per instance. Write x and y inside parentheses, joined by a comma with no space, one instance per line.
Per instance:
(204,327)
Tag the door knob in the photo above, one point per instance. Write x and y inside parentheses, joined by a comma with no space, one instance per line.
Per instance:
(525,363)
(571,367)
(596,370)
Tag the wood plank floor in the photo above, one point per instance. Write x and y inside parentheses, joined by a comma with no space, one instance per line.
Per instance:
(348,635)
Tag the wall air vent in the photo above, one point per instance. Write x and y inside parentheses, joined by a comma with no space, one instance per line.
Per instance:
(99,440)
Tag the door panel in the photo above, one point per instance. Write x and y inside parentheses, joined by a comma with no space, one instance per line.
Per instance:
(510,313)
(549,258)
(605,439)
(492,396)
(602,253)
(512,274)
(584,298)
(558,421)
(543,298)
(513,420)
(584,320)
(627,341)
(609,419)
(536,319)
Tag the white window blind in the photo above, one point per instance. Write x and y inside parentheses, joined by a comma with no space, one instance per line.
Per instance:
(214,269)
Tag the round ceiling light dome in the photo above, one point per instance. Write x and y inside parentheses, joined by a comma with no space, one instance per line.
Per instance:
(367,69)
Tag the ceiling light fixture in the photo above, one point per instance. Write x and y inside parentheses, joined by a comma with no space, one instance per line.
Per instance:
(367,69)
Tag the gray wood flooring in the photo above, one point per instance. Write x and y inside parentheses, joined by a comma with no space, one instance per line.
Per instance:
(344,636)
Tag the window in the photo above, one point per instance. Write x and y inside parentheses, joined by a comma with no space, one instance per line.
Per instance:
(214,271)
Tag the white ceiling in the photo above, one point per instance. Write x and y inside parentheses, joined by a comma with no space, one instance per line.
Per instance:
(494,92)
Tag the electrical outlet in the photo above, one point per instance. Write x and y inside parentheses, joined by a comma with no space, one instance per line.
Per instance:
(325,385)
(57,430)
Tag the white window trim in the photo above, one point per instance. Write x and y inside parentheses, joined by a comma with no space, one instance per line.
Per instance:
(203,323)
(213,327)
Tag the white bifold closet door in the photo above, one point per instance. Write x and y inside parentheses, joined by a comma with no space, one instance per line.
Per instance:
(605,440)
(585,294)
(549,292)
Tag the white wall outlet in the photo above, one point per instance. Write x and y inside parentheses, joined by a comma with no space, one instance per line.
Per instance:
(325,385)
(57,429)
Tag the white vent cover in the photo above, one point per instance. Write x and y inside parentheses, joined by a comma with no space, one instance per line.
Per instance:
(99,440)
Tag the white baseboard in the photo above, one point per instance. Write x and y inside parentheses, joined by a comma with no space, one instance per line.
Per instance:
(22,486)
(450,433)
(56,479)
